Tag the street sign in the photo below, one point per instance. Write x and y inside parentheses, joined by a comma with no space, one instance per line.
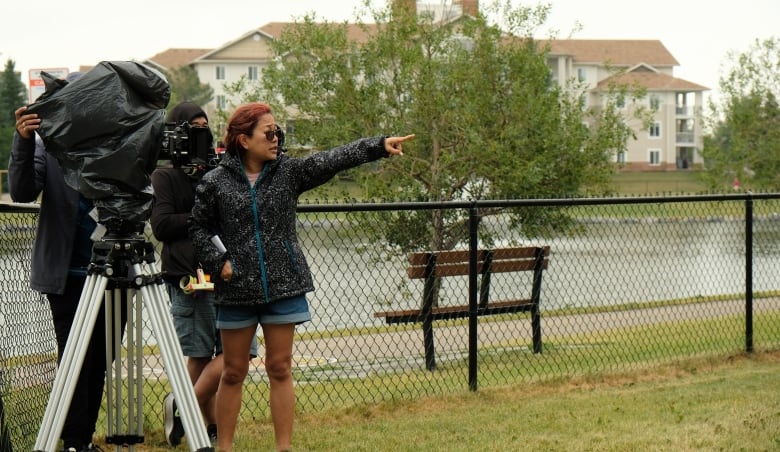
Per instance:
(36,82)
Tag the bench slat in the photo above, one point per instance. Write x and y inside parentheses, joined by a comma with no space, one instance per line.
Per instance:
(503,266)
(455,312)
(455,256)
(515,253)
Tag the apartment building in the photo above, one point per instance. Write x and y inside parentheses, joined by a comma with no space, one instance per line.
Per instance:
(670,143)
(673,139)
(249,54)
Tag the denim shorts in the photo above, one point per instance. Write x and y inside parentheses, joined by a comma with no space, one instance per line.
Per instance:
(280,312)
(194,318)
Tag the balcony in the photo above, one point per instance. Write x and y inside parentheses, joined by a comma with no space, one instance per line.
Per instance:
(684,137)
(684,110)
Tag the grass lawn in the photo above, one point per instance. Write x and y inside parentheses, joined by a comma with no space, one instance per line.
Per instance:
(679,395)
(661,182)
(726,403)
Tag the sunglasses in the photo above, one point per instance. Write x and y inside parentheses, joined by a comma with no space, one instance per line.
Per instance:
(270,134)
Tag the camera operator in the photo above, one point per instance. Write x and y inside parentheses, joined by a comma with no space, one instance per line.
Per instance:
(60,256)
(194,312)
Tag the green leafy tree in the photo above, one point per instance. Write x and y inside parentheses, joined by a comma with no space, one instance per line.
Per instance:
(745,123)
(13,95)
(489,121)
(186,86)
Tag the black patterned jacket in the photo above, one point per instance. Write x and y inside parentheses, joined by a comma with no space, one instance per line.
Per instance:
(257,223)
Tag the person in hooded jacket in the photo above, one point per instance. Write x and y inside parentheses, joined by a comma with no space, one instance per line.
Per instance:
(249,203)
(61,253)
(193,311)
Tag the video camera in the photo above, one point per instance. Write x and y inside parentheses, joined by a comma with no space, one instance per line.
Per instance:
(188,146)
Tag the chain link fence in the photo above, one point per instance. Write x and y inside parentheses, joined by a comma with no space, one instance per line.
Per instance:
(631,283)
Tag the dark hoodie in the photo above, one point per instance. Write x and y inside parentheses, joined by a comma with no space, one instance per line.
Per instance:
(185,111)
(173,200)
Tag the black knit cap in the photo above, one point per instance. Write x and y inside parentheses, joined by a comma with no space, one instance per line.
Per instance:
(185,111)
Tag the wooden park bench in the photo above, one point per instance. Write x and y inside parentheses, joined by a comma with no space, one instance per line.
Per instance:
(441,264)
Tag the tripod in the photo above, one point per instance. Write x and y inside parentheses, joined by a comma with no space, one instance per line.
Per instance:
(121,268)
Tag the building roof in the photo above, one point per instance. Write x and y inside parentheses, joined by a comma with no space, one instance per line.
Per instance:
(355,32)
(650,80)
(615,52)
(639,57)
(273,30)
(174,58)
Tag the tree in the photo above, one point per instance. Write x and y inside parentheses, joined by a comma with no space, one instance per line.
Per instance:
(186,86)
(489,121)
(745,123)
(13,95)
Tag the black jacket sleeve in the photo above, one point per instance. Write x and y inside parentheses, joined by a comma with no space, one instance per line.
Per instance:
(26,169)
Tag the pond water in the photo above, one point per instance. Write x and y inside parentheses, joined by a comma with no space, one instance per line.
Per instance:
(609,263)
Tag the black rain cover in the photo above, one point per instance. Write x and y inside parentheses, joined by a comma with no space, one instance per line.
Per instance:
(105,129)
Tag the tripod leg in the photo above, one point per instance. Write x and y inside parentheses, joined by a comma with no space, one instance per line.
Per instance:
(111,420)
(120,369)
(115,347)
(135,386)
(156,302)
(73,358)
(134,425)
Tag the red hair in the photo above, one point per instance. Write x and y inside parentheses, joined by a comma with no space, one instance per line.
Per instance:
(243,121)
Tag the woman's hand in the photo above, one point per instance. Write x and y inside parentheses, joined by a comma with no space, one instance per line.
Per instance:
(393,145)
(26,125)
(227,271)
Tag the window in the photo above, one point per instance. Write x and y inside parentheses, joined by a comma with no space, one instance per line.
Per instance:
(295,132)
(584,102)
(220,72)
(621,157)
(582,74)
(289,132)
(252,72)
(221,102)
(655,130)
(655,103)
(655,156)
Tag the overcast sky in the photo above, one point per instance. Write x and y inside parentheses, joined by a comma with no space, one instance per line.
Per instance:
(58,34)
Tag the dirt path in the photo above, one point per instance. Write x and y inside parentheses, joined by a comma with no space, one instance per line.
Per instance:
(361,354)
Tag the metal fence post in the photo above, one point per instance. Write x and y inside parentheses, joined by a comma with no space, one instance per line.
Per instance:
(749,273)
(427,317)
(473,244)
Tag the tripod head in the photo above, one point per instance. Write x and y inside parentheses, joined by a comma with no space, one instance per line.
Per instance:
(116,255)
